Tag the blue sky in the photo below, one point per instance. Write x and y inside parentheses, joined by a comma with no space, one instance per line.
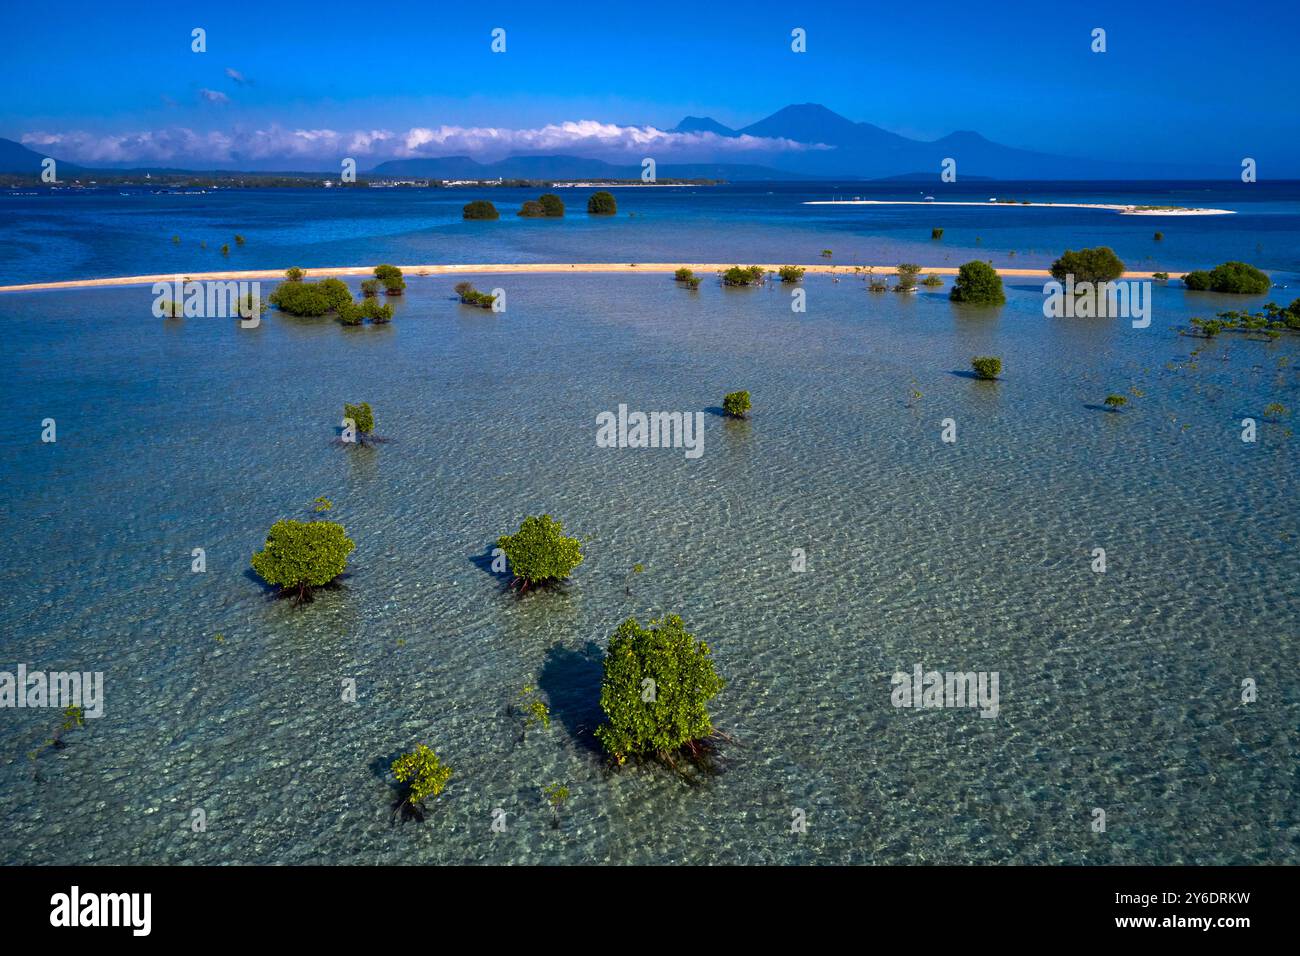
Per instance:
(1178,83)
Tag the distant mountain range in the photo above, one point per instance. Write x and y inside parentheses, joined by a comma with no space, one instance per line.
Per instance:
(864,151)
(833,147)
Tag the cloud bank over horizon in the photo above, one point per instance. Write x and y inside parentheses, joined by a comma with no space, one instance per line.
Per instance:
(181,145)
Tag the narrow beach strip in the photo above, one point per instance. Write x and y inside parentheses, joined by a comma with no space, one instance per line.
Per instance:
(1127,210)
(516,268)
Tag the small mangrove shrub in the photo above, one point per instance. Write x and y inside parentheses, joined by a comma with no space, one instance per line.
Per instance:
(479,209)
(657,685)
(602,204)
(736,404)
(301,555)
(936,233)
(424,775)
(471,296)
(931,280)
(391,279)
(791,273)
(907,273)
(362,417)
(987,367)
(1115,402)
(1088,265)
(556,795)
(540,553)
(978,283)
(533,709)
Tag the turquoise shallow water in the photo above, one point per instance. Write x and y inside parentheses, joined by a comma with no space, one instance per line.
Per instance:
(1119,691)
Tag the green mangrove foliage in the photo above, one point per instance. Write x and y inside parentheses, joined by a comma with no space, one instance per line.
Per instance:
(602,204)
(1088,265)
(471,296)
(987,367)
(978,283)
(936,233)
(362,417)
(556,794)
(907,273)
(540,553)
(391,279)
(656,689)
(931,280)
(736,404)
(370,288)
(301,555)
(310,298)
(548,205)
(532,709)
(743,276)
(479,209)
(293,274)
(1268,324)
(552,204)
(1115,402)
(356,313)
(1236,278)
(687,277)
(791,273)
(424,776)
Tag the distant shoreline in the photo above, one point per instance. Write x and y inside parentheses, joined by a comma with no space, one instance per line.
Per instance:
(511,268)
(1131,209)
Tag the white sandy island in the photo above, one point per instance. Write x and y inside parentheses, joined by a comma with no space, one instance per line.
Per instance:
(1126,210)
(518,268)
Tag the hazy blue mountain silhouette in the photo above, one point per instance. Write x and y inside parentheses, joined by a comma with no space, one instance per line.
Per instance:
(18,159)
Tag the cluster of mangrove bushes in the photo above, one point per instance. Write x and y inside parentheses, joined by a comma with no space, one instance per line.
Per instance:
(299,297)
(545,206)
(471,296)
(687,277)
(1235,278)
(1268,324)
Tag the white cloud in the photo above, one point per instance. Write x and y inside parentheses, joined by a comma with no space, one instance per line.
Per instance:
(236,76)
(214,96)
(585,137)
